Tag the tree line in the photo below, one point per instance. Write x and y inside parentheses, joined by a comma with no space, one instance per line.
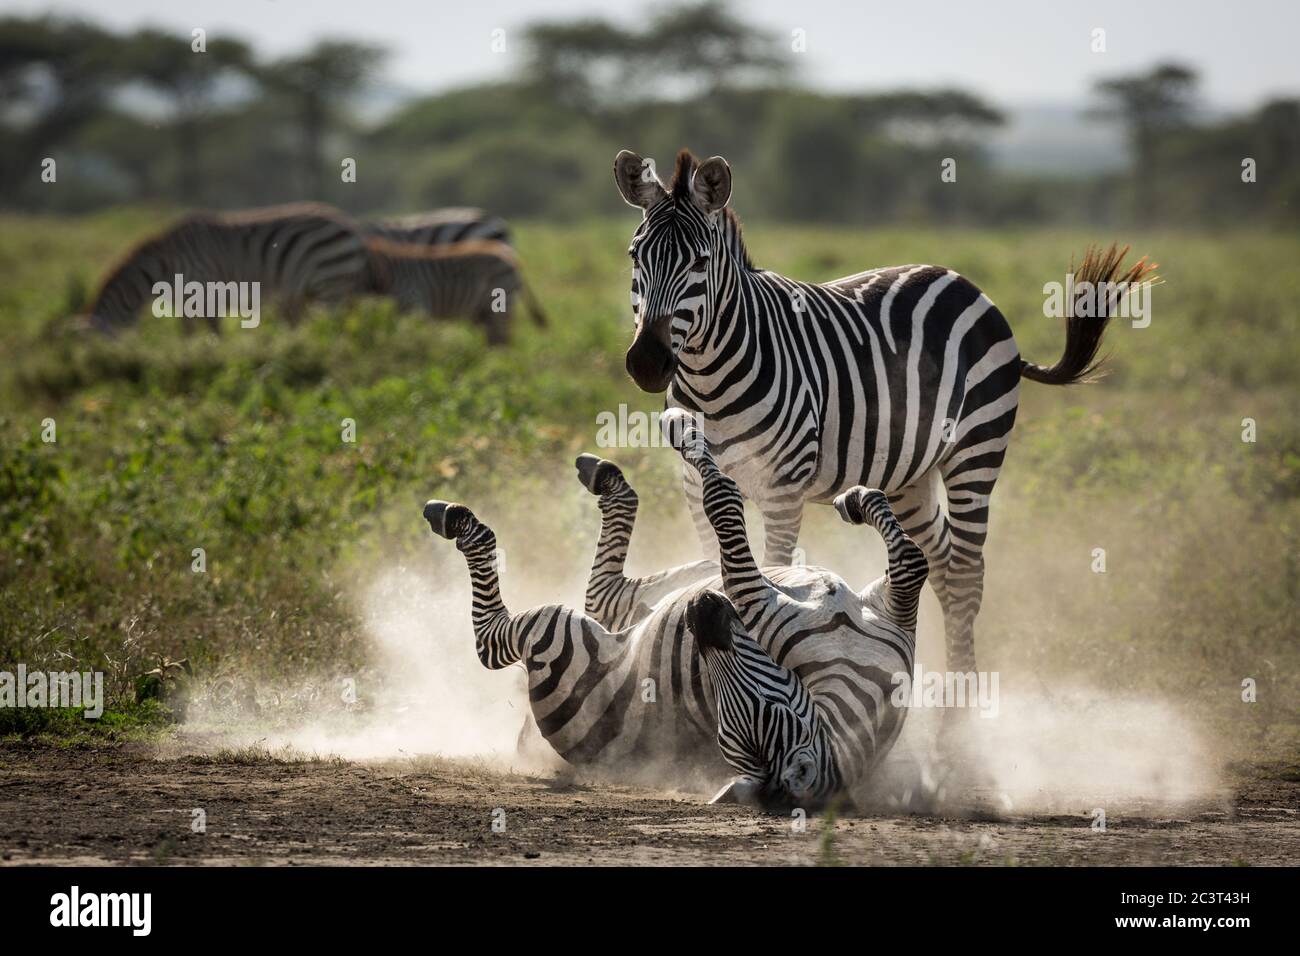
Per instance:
(196,121)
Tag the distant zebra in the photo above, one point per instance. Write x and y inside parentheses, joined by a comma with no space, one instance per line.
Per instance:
(441,226)
(479,279)
(789,676)
(298,253)
(904,378)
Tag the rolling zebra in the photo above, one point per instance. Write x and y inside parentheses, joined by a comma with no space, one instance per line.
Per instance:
(298,253)
(784,675)
(904,378)
(441,226)
(479,279)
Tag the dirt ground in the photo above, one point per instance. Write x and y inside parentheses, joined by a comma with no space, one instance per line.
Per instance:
(127,805)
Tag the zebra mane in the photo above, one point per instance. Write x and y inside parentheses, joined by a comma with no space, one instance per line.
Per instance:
(680,188)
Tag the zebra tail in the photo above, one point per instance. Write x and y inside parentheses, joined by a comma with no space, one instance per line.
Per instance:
(1083,333)
(535,311)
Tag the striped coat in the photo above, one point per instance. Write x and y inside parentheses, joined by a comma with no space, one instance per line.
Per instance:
(904,378)
(477,279)
(300,253)
(784,676)
(440,227)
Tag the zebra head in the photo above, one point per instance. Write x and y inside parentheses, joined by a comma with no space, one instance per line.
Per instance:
(769,730)
(128,287)
(679,236)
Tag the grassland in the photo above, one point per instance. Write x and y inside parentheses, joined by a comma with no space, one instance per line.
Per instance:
(167,443)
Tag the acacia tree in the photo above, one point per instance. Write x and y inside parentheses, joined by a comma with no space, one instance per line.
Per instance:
(1151,106)
(60,73)
(188,79)
(315,84)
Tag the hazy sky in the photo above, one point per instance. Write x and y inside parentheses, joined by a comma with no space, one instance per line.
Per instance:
(1013,51)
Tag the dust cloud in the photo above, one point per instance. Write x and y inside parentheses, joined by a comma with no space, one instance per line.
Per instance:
(1057,745)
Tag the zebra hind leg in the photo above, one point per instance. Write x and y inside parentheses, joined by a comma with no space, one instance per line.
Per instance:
(611,596)
(614,599)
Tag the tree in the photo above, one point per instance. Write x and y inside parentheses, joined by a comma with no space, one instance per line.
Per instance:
(315,83)
(187,79)
(60,72)
(1150,105)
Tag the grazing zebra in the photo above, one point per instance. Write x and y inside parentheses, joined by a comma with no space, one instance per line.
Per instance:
(297,253)
(478,278)
(903,378)
(441,226)
(787,674)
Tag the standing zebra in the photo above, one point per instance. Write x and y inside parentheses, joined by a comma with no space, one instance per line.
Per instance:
(297,253)
(441,226)
(789,673)
(903,378)
(478,278)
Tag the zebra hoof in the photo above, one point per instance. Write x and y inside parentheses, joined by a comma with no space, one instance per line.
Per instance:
(710,617)
(675,423)
(596,474)
(443,517)
(852,505)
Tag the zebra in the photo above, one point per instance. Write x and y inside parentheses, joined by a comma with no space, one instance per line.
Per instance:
(786,676)
(441,226)
(477,278)
(903,378)
(298,253)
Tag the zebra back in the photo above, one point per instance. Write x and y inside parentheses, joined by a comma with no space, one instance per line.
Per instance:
(441,226)
(296,252)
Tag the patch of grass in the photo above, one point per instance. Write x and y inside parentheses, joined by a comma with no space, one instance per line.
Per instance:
(258,754)
(129,722)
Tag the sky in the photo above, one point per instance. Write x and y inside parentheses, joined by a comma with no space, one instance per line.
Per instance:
(1014,52)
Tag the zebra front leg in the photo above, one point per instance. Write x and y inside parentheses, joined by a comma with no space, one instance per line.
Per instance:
(614,599)
(694,489)
(725,508)
(781,523)
(499,639)
(769,730)
(898,593)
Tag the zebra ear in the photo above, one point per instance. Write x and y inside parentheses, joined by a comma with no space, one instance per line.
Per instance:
(636,180)
(711,184)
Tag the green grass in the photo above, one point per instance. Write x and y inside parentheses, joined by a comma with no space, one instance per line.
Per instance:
(69,726)
(167,443)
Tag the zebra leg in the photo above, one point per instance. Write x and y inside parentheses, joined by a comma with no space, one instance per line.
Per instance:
(741,577)
(920,513)
(614,599)
(781,525)
(968,477)
(899,591)
(499,638)
(497,326)
(694,489)
(769,731)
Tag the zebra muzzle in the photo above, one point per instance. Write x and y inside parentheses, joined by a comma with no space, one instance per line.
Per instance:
(444,517)
(650,360)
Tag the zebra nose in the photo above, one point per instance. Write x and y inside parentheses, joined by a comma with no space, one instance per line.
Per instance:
(435,512)
(709,617)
